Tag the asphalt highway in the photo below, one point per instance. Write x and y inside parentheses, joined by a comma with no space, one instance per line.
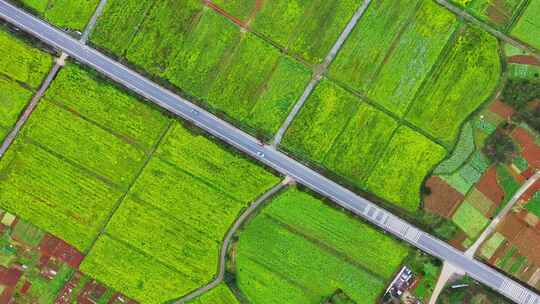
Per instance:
(265,154)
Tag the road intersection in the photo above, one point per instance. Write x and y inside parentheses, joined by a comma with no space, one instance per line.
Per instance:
(265,154)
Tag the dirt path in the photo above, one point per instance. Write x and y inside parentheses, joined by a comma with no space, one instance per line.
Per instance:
(59,62)
(319,71)
(92,23)
(228,238)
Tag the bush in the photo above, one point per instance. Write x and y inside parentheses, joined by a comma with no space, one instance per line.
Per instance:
(518,92)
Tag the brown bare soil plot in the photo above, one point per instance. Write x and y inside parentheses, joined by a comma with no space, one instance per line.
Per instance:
(489,186)
(443,199)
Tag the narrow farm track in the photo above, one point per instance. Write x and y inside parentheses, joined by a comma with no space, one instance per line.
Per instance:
(59,62)
(319,71)
(92,23)
(266,154)
(502,36)
(227,242)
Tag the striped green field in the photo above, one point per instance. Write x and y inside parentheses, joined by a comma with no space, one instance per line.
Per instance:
(177,213)
(299,250)
(527,27)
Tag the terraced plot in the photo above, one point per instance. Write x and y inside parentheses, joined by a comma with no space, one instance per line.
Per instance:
(527,27)
(69,166)
(72,14)
(299,250)
(499,13)
(176,216)
(206,56)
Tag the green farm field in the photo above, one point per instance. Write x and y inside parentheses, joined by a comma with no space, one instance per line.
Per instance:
(69,167)
(294,24)
(400,171)
(340,132)
(206,56)
(23,63)
(13,98)
(307,250)
(22,69)
(527,27)
(349,145)
(178,212)
(372,37)
(466,78)
(218,295)
(72,14)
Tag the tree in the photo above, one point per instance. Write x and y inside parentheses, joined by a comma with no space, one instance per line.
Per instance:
(519,92)
(499,147)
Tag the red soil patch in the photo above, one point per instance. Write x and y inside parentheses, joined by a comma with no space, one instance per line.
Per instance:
(221,11)
(489,186)
(9,277)
(501,109)
(530,151)
(528,173)
(118,298)
(531,191)
(524,59)
(64,297)
(25,287)
(91,292)
(457,241)
(498,253)
(443,199)
(511,226)
(55,247)
(528,243)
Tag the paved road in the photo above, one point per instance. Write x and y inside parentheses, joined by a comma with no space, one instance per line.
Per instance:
(266,154)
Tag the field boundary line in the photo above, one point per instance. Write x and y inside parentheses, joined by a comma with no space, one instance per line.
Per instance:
(199,179)
(141,252)
(136,30)
(283,49)
(338,136)
(325,248)
(517,15)
(124,138)
(228,239)
(500,35)
(90,25)
(85,170)
(121,199)
(409,21)
(319,71)
(363,98)
(32,104)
